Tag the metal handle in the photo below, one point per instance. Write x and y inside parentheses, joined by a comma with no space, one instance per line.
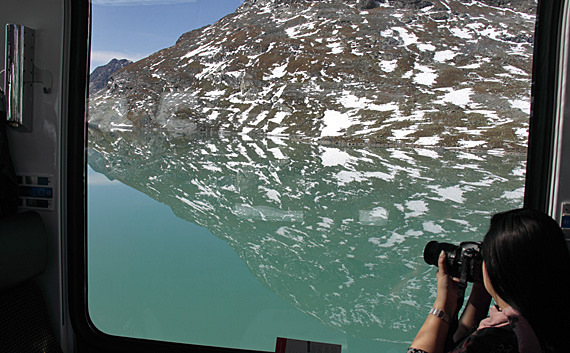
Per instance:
(19,76)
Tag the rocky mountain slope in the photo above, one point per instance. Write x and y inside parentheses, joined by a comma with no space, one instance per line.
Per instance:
(99,78)
(432,73)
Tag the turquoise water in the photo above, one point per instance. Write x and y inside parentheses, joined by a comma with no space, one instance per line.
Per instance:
(153,275)
(229,241)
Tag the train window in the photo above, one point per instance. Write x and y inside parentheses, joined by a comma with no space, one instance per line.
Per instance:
(263,169)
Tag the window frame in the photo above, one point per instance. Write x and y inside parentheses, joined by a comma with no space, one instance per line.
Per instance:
(87,337)
(544,100)
(74,215)
(546,69)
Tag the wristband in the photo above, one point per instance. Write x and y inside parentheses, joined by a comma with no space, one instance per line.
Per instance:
(440,313)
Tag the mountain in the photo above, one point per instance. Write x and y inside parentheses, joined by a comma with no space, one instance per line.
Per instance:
(432,73)
(99,78)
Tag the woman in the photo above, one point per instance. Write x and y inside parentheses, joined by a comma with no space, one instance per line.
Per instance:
(526,270)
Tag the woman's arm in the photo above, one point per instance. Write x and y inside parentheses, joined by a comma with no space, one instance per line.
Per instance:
(433,333)
(477,309)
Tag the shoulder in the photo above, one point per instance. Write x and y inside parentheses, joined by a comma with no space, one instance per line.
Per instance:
(489,340)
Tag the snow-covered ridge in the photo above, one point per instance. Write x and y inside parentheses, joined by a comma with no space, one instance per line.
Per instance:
(442,73)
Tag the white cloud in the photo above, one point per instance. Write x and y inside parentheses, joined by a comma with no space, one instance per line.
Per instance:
(138,2)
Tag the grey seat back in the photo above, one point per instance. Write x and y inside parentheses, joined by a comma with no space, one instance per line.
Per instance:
(24,322)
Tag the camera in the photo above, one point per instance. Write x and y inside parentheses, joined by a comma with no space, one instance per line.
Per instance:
(463,259)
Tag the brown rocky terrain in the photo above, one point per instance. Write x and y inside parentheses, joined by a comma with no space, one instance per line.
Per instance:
(429,73)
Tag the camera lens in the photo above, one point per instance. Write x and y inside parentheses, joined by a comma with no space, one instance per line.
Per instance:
(434,248)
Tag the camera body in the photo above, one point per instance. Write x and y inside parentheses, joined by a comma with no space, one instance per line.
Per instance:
(463,259)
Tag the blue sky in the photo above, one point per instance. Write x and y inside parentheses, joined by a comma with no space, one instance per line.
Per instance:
(134,29)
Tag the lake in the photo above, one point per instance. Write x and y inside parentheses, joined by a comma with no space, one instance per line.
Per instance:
(233,241)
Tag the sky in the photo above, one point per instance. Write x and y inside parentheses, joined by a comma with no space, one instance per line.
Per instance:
(134,29)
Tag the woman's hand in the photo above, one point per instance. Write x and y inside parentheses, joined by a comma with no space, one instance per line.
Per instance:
(477,309)
(479,295)
(432,335)
(447,288)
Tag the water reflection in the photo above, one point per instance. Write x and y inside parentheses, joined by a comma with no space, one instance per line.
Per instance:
(336,231)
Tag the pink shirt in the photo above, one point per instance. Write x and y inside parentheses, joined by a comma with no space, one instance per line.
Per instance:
(527,340)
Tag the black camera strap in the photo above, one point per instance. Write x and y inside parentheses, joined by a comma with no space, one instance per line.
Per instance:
(454,324)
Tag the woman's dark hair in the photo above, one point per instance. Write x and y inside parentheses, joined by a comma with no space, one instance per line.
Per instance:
(528,264)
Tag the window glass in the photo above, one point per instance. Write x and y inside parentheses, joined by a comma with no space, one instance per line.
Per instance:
(263,169)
